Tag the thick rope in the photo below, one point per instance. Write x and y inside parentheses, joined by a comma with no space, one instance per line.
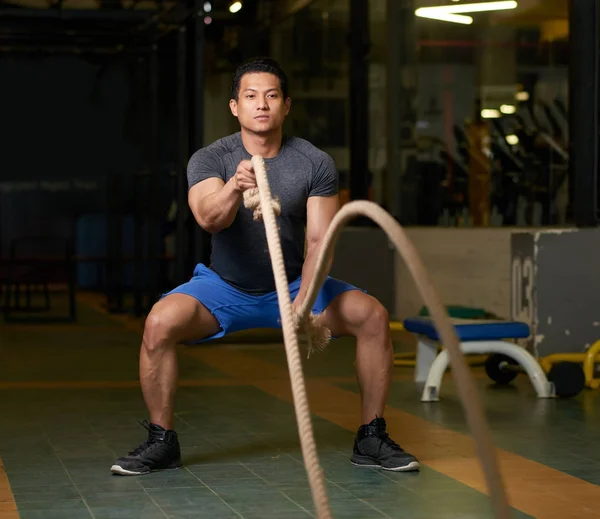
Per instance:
(460,371)
(290,338)
(317,335)
(252,202)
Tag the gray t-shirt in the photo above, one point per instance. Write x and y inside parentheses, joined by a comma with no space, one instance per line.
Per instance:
(240,253)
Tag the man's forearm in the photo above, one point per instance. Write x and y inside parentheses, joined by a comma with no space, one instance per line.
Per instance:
(217,210)
(308,273)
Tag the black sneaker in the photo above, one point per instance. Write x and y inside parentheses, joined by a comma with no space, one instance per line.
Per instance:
(374,448)
(159,452)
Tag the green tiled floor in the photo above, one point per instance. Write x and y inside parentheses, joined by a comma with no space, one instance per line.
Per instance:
(240,445)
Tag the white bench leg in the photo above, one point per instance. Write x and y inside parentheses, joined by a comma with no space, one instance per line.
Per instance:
(543,388)
(427,351)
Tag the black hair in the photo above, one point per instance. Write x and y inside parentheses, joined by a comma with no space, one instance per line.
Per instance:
(259,65)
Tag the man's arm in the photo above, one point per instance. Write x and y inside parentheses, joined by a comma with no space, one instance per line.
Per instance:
(214,203)
(320,211)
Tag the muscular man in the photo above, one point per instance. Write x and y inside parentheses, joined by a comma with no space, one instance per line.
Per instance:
(237,291)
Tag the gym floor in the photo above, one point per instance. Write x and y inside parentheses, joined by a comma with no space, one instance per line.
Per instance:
(70,402)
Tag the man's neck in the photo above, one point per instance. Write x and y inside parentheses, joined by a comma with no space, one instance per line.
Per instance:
(267,146)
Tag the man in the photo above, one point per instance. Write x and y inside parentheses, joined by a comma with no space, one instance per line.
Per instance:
(237,292)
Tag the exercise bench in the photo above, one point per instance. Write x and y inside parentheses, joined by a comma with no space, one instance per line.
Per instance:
(476,337)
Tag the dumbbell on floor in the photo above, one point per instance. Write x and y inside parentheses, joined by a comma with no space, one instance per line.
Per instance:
(568,377)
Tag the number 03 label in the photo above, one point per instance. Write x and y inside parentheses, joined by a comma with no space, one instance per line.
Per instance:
(522,290)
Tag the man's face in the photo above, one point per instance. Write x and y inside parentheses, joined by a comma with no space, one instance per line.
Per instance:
(260,107)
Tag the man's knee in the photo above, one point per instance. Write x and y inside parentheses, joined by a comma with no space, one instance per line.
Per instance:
(159,329)
(176,319)
(376,319)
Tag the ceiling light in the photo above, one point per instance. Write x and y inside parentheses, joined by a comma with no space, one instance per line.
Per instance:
(512,139)
(490,113)
(522,96)
(235,7)
(424,12)
(478,7)
(450,13)
(508,109)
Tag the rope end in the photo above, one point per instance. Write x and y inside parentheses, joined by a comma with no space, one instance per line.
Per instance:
(252,202)
(318,336)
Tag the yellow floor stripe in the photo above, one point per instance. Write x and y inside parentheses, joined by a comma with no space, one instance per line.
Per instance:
(8,507)
(126,384)
(105,384)
(533,488)
(56,329)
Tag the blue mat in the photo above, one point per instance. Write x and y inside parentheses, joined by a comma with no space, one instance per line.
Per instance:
(470,330)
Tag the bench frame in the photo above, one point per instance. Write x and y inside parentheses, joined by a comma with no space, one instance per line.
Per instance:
(431,365)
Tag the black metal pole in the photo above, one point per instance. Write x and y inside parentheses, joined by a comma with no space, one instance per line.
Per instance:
(72,279)
(138,204)
(114,242)
(199,240)
(584,124)
(359,99)
(401,103)
(183,213)
(153,233)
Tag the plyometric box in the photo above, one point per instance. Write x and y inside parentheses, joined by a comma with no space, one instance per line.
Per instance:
(555,288)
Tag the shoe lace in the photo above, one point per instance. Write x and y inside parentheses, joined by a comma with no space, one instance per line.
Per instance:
(147,444)
(386,440)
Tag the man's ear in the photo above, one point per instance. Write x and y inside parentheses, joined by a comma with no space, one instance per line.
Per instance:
(288,105)
(233,107)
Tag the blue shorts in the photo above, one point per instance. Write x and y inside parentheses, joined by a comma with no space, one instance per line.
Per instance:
(236,311)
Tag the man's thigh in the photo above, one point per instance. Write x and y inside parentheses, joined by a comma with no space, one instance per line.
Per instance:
(339,304)
(181,317)
(233,309)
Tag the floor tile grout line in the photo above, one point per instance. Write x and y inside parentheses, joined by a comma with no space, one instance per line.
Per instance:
(255,474)
(155,503)
(279,490)
(215,493)
(200,479)
(386,476)
(67,471)
(383,514)
(106,445)
(115,456)
(342,488)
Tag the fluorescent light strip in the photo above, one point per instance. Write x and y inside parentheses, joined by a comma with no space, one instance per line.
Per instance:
(444,17)
(478,7)
(448,13)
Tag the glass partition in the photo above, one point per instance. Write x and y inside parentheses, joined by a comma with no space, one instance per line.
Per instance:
(483,131)
(492,123)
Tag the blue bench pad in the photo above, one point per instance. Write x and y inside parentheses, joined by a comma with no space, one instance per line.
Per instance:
(470,330)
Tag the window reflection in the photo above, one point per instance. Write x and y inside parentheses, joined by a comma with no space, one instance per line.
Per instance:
(491,134)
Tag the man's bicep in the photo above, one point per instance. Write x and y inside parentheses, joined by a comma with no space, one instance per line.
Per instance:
(320,211)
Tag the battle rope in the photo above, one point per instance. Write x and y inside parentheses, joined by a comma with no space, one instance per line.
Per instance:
(466,387)
(290,338)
